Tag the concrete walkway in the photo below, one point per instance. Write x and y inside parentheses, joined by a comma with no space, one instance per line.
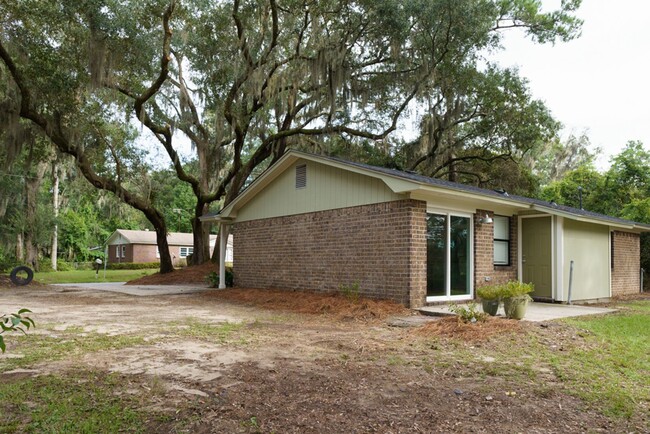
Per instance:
(536,312)
(139,290)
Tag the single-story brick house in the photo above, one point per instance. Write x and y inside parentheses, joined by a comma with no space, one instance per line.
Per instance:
(315,222)
(140,246)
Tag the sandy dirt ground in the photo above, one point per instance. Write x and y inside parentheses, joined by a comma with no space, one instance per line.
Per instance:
(287,372)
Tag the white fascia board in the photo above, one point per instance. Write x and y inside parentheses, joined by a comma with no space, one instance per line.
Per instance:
(476,201)
(581,218)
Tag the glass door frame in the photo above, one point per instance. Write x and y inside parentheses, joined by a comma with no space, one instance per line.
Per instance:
(448,297)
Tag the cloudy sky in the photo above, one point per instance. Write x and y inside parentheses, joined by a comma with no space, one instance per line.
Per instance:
(598,83)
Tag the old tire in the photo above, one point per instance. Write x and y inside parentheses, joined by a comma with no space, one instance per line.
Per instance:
(18,280)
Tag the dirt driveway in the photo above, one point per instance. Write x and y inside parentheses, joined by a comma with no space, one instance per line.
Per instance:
(212,365)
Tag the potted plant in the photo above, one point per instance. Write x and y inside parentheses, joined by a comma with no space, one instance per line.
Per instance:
(490,298)
(516,298)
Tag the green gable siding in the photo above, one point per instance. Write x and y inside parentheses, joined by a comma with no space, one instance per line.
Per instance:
(327,188)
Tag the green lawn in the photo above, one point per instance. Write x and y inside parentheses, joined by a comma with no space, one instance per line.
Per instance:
(612,370)
(84,276)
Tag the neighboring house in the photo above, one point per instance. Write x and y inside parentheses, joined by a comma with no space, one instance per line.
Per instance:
(313,222)
(140,246)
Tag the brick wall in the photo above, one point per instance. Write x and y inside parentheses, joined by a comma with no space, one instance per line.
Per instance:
(145,253)
(128,253)
(484,253)
(626,263)
(382,246)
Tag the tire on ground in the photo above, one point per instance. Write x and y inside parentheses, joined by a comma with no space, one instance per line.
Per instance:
(18,280)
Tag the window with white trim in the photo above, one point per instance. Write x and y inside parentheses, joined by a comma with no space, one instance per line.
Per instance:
(501,240)
(124,251)
(157,252)
(117,251)
(186,251)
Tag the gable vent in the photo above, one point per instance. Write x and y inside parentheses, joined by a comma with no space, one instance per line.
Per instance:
(301,176)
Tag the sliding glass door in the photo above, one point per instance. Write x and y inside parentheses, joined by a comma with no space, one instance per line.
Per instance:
(449,256)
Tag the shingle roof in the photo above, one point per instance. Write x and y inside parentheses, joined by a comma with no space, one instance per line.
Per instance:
(545,206)
(149,237)
(485,192)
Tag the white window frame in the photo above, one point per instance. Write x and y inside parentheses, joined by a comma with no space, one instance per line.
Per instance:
(507,241)
(448,296)
(188,251)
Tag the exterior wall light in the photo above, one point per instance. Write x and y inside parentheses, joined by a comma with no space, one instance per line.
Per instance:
(486,220)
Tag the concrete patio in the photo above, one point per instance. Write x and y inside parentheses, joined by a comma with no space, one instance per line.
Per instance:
(536,311)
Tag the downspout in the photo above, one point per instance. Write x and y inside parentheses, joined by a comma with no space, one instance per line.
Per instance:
(570,281)
(642,273)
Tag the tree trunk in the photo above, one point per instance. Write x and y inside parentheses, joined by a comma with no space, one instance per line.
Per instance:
(20,252)
(158,222)
(201,236)
(215,252)
(32,186)
(55,207)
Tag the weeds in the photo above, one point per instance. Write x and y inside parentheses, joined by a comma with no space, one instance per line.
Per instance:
(351,292)
(468,314)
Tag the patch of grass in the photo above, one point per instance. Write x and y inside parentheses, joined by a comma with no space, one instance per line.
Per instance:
(613,369)
(639,306)
(89,276)
(201,330)
(39,348)
(82,402)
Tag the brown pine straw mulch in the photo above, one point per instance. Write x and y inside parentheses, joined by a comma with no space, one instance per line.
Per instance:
(194,275)
(308,302)
(452,327)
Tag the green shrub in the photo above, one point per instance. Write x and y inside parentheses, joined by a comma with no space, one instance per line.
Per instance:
(132,265)
(351,292)
(15,322)
(64,266)
(469,313)
(213,278)
(83,265)
(514,288)
(492,292)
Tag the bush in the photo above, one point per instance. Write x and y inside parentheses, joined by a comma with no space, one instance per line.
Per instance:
(131,265)
(351,292)
(83,265)
(15,322)
(514,288)
(492,292)
(468,314)
(213,278)
(64,266)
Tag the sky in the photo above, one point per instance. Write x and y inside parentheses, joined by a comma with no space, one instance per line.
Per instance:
(598,83)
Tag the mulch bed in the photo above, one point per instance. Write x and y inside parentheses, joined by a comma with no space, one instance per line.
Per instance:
(194,275)
(312,303)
